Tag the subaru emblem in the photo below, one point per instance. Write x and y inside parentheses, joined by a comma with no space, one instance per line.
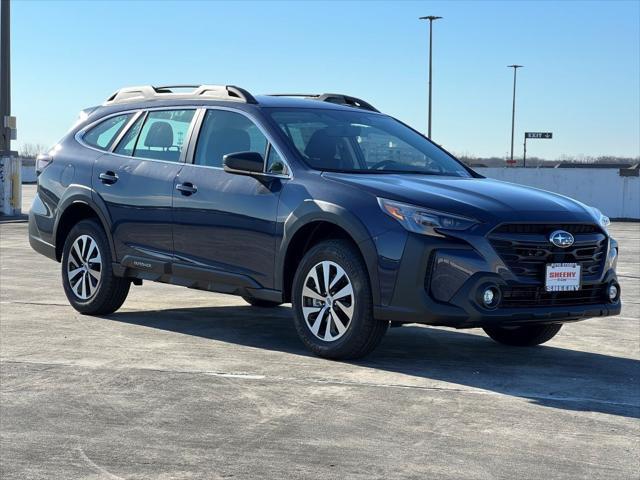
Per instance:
(561,239)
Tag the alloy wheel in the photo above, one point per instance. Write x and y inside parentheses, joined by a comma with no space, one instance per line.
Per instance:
(84,267)
(328,301)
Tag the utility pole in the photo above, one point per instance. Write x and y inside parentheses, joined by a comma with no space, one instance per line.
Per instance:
(10,184)
(5,77)
(431,18)
(513,110)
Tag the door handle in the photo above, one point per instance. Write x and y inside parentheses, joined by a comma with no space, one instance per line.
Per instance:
(186,188)
(108,178)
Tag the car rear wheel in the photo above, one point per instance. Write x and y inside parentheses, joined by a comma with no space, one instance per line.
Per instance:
(333,308)
(525,336)
(87,274)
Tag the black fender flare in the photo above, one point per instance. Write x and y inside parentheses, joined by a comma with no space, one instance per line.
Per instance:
(79,194)
(316,210)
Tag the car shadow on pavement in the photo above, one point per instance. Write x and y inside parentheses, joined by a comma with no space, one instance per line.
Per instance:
(547,375)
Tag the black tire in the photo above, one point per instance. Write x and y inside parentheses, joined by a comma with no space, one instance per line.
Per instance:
(525,336)
(363,332)
(257,302)
(111,291)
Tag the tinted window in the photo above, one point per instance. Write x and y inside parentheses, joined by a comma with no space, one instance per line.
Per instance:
(357,141)
(163,135)
(102,135)
(226,132)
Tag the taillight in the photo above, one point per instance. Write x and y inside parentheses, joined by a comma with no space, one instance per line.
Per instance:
(43,161)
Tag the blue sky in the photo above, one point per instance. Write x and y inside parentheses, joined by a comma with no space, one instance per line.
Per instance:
(581,78)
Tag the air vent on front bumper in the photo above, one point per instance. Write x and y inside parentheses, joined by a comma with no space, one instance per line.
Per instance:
(532,296)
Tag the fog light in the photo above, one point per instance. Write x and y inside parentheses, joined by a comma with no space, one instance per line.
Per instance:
(488,296)
(613,292)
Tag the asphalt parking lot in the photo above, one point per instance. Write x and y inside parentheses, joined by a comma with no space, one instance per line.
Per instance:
(187,384)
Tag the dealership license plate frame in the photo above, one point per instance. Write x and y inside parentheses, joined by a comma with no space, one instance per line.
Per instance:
(562,283)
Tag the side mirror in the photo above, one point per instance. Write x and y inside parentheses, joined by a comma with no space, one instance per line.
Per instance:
(244,163)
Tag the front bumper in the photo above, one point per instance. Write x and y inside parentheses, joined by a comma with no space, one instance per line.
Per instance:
(438,282)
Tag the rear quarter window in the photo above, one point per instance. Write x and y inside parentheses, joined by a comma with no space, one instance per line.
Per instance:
(102,135)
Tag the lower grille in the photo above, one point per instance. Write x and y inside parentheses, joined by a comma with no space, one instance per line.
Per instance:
(532,296)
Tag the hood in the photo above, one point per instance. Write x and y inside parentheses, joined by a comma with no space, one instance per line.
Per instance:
(484,199)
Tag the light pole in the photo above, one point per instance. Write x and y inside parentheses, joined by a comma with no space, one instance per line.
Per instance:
(431,18)
(10,184)
(513,110)
(5,77)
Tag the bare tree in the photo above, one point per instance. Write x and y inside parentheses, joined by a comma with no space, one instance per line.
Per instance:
(32,150)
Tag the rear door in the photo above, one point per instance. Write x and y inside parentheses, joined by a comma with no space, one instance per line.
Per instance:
(225,223)
(136,180)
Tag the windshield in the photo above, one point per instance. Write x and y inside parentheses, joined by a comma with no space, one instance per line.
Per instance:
(362,142)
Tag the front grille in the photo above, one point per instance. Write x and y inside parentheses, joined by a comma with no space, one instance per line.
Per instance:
(544,228)
(532,296)
(526,250)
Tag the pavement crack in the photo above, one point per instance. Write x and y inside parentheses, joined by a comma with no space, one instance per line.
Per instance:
(95,466)
(14,302)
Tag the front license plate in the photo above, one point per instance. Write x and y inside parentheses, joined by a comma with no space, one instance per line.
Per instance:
(562,277)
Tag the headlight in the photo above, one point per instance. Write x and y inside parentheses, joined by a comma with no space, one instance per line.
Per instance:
(601,218)
(423,220)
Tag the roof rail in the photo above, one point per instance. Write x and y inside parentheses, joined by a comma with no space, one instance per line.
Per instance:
(149,92)
(337,98)
(226,92)
(169,88)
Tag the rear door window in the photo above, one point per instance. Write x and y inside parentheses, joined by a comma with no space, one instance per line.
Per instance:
(161,136)
(102,135)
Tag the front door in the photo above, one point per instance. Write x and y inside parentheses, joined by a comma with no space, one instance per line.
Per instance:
(225,223)
(136,183)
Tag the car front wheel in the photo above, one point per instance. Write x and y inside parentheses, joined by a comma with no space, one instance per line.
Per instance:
(87,274)
(332,303)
